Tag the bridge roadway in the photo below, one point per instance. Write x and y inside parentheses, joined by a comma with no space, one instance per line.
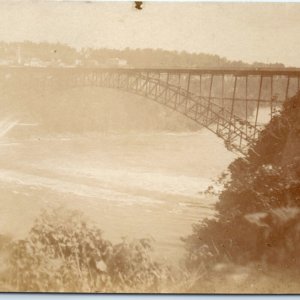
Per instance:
(235,104)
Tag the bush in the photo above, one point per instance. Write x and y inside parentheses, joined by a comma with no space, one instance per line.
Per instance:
(63,253)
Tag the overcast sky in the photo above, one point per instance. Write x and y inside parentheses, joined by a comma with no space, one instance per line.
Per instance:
(249,32)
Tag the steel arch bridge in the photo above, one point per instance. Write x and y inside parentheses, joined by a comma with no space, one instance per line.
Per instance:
(235,104)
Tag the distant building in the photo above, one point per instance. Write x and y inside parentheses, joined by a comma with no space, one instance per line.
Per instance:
(19,58)
(78,62)
(5,62)
(34,62)
(91,63)
(116,62)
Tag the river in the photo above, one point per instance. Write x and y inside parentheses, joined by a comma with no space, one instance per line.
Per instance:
(131,185)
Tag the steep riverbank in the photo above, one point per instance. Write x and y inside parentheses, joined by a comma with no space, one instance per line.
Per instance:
(257,229)
(44,113)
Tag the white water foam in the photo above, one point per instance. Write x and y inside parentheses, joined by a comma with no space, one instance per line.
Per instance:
(6,125)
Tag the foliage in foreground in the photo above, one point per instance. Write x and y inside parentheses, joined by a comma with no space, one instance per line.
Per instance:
(259,208)
(63,253)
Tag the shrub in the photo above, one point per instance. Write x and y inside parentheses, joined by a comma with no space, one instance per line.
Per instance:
(65,253)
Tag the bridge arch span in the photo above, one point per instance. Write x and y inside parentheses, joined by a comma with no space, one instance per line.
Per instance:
(210,115)
(228,102)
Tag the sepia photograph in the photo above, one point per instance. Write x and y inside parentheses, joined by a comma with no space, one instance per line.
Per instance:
(149,147)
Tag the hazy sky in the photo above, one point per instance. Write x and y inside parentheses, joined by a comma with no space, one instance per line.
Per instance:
(250,32)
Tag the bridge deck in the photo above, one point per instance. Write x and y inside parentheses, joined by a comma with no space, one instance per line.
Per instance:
(292,72)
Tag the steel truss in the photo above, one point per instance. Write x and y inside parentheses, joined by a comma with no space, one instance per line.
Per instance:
(229,102)
(229,108)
